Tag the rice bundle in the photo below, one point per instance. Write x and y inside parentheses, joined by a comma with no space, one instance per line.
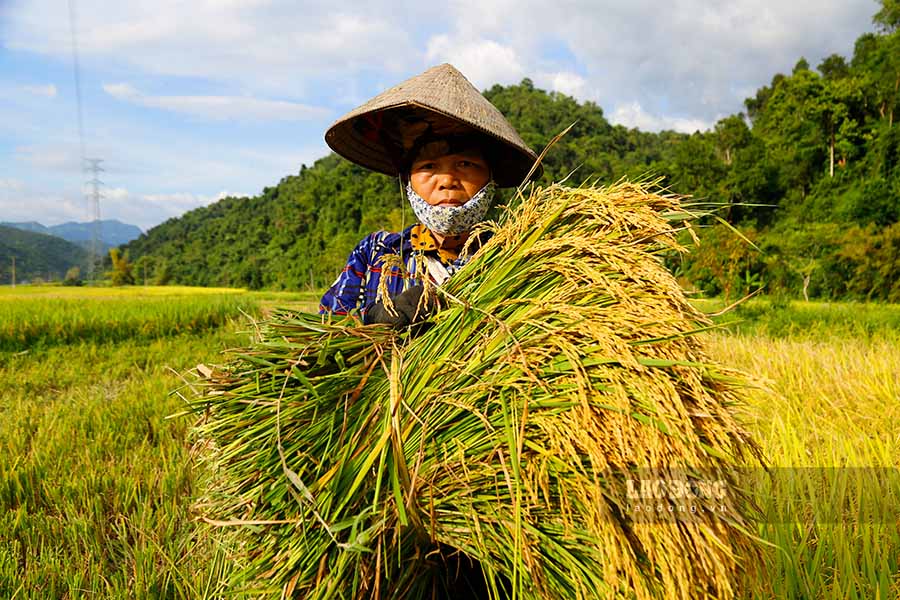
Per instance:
(494,454)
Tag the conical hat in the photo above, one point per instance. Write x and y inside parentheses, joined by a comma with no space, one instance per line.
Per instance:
(440,101)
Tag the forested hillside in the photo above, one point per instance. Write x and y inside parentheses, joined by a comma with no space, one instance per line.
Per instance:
(810,173)
(37,255)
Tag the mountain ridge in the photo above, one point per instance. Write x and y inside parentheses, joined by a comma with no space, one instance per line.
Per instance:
(113,232)
(37,255)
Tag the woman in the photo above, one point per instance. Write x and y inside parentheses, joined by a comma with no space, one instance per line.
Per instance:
(450,148)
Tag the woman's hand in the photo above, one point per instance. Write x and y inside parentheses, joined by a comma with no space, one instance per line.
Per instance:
(406,305)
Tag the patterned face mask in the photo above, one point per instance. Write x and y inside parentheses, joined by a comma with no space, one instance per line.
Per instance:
(452,220)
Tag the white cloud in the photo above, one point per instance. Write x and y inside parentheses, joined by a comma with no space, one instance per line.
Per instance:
(219,107)
(691,58)
(261,45)
(180,202)
(633,115)
(22,203)
(51,157)
(148,210)
(688,57)
(47,91)
(115,195)
(11,185)
(146,180)
(566,82)
(483,62)
(696,58)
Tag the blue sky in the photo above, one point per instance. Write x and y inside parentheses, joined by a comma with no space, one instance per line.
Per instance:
(189,101)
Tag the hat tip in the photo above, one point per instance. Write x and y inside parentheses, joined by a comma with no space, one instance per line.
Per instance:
(446,65)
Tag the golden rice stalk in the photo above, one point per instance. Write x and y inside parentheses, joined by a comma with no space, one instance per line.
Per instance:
(512,436)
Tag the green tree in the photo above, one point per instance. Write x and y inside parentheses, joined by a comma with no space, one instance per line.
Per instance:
(697,169)
(876,59)
(802,65)
(143,267)
(752,185)
(162,275)
(837,108)
(758,103)
(888,18)
(722,262)
(732,134)
(791,125)
(73,276)
(834,67)
(869,257)
(121,268)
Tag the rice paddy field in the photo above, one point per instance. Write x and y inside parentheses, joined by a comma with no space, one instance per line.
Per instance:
(97,478)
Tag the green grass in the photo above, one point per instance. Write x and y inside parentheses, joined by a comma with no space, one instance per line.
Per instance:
(808,320)
(32,292)
(35,317)
(96,483)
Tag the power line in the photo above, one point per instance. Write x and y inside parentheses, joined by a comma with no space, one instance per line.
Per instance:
(77,71)
(92,165)
(88,165)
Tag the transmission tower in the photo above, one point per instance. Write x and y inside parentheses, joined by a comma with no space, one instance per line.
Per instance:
(92,167)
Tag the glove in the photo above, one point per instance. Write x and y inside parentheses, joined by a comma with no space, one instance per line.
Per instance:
(406,305)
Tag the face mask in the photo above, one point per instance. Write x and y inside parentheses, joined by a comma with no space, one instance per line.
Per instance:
(452,220)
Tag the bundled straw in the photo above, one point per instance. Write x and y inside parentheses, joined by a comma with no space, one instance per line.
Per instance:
(500,447)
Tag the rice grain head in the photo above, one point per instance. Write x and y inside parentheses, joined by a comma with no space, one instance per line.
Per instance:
(562,364)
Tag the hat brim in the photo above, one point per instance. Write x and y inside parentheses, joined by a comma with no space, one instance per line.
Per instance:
(375,134)
(355,140)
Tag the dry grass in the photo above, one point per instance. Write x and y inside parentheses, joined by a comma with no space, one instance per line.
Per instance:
(829,421)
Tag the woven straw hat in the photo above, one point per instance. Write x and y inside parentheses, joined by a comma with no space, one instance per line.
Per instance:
(380,134)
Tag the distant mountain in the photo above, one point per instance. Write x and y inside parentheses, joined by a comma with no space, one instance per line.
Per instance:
(112,231)
(33,226)
(37,255)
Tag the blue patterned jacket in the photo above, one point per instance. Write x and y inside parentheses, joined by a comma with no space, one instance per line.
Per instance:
(356,288)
